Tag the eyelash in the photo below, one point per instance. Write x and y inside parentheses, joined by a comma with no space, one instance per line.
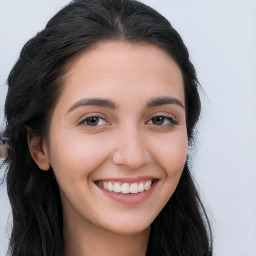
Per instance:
(91,116)
(169,118)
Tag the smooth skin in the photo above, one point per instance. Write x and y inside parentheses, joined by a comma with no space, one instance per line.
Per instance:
(133,135)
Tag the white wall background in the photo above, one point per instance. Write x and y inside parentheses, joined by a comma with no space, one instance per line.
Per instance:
(221,38)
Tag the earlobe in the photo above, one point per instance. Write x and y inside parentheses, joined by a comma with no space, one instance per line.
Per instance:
(39,152)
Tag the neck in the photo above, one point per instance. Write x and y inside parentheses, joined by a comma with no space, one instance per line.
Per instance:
(89,240)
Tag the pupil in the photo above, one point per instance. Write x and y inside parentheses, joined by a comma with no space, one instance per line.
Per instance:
(93,120)
(158,120)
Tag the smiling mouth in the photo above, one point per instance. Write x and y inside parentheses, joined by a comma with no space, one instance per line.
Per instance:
(126,188)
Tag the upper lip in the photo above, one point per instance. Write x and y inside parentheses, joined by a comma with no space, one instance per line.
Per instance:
(128,179)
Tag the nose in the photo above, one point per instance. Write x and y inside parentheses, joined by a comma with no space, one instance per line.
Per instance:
(131,150)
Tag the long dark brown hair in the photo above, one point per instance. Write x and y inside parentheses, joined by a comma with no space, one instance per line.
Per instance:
(182,227)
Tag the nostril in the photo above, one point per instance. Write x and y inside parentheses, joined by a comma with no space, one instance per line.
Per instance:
(132,159)
(130,149)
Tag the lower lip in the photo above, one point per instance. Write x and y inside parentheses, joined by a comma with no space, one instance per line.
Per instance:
(129,198)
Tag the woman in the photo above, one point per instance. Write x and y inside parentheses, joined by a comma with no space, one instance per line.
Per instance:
(100,111)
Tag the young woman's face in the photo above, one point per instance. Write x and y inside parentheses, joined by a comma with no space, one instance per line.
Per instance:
(120,125)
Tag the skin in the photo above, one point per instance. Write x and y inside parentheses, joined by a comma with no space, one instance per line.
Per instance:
(125,143)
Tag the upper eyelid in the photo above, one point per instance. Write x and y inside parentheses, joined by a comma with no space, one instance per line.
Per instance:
(81,119)
(170,116)
(163,114)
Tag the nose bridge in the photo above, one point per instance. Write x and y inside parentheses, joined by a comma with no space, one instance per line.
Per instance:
(131,149)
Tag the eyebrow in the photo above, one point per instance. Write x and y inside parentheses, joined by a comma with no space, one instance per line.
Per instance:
(101,102)
(163,101)
(107,103)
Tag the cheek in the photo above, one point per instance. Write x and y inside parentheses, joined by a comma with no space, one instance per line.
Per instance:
(171,153)
(76,155)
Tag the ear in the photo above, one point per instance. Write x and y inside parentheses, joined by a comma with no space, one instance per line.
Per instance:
(38,151)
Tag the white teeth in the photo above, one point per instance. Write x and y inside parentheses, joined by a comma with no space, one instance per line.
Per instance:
(105,185)
(110,187)
(117,187)
(141,187)
(125,188)
(148,185)
(134,188)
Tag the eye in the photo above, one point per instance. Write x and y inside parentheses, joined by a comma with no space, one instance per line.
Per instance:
(162,120)
(93,121)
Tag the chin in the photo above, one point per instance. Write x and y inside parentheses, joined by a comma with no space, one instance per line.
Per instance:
(129,231)
(127,227)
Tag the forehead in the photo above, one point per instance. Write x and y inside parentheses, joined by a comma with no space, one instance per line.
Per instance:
(118,68)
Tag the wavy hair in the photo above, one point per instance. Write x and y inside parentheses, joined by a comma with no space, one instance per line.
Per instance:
(182,228)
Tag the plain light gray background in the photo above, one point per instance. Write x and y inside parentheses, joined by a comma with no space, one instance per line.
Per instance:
(221,38)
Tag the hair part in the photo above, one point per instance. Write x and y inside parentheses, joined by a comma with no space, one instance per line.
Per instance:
(35,82)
